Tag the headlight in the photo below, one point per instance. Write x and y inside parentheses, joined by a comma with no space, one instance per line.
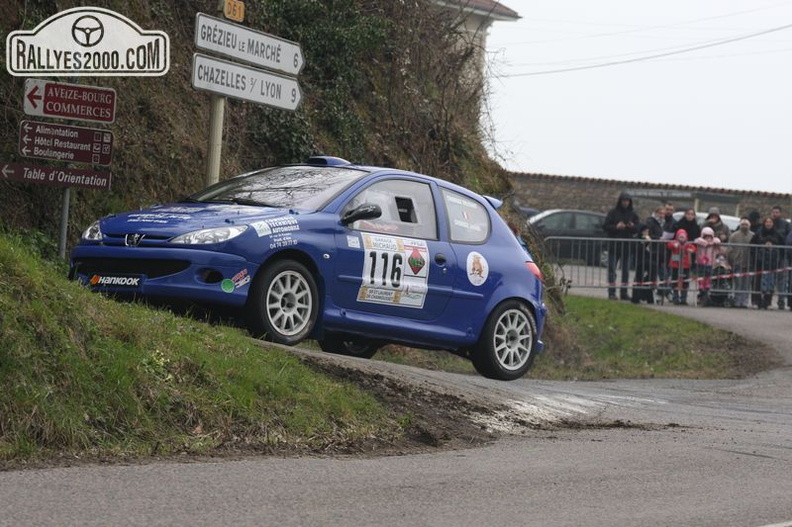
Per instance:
(93,233)
(218,235)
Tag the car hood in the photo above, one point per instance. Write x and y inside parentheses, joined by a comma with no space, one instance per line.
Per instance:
(165,221)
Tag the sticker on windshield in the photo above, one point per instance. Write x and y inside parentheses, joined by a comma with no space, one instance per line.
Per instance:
(395,271)
(477,268)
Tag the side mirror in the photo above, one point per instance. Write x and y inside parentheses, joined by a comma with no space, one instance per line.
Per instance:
(367,211)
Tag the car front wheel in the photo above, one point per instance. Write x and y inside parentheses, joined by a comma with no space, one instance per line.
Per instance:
(506,348)
(283,303)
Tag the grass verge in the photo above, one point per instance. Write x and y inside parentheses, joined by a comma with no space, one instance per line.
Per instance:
(84,375)
(601,339)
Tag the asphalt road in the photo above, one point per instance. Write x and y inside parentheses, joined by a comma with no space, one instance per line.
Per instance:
(657,452)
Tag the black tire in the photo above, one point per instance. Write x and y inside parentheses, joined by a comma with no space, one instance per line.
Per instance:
(507,345)
(283,303)
(350,346)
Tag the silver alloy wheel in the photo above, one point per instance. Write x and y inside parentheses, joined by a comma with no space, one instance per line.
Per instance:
(289,303)
(512,339)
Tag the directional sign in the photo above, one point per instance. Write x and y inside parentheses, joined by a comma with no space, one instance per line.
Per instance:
(241,82)
(55,176)
(65,143)
(254,47)
(69,101)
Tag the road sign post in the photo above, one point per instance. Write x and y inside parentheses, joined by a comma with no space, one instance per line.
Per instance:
(223,78)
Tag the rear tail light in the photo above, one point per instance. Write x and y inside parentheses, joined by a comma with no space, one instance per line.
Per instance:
(535,270)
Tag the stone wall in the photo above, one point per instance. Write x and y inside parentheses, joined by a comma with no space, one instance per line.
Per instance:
(544,192)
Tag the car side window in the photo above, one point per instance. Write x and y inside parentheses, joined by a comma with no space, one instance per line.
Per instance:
(587,222)
(407,209)
(468,219)
(560,221)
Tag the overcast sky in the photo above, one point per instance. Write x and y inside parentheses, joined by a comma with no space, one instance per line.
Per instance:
(718,116)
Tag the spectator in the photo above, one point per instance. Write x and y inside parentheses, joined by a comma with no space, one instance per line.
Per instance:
(689,224)
(769,246)
(779,223)
(620,225)
(642,288)
(658,258)
(668,221)
(680,253)
(739,258)
(756,281)
(783,229)
(707,247)
(714,222)
(756,220)
(789,259)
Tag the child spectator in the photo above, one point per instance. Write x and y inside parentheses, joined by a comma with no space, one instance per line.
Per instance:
(680,255)
(707,247)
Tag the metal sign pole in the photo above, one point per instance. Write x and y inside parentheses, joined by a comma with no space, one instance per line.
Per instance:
(216,116)
(64,226)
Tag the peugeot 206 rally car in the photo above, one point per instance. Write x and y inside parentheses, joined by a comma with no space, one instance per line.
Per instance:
(352,256)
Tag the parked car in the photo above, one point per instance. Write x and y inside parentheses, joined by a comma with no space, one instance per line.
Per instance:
(563,223)
(353,256)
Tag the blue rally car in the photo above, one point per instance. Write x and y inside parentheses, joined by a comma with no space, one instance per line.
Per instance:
(352,256)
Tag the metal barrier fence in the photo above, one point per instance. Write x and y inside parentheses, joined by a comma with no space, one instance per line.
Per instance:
(658,270)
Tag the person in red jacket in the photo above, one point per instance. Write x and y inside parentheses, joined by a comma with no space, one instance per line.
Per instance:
(680,257)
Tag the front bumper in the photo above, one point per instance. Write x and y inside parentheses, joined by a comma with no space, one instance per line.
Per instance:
(185,274)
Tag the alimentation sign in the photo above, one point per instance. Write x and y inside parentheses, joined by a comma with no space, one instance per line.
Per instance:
(88,41)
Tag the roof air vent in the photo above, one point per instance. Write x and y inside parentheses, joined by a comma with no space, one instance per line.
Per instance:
(328,161)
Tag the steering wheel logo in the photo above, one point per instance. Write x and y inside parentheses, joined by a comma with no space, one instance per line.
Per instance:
(87,31)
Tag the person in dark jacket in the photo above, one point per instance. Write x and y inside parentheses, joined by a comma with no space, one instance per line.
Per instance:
(689,224)
(620,225)
(783,228)
(767,255)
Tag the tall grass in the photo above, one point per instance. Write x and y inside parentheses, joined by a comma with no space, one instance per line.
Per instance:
(84,374)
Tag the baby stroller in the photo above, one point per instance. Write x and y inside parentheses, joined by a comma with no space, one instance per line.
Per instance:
(722,285)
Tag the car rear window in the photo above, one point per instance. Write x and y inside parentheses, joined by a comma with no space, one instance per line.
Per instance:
(468,219)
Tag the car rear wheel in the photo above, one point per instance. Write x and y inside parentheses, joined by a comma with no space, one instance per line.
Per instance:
(283,303)
(507,345)
(352,347)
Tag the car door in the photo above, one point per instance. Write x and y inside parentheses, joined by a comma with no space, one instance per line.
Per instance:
(395,264)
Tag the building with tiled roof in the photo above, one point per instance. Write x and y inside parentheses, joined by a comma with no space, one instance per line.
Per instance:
(477,17)
(486,9)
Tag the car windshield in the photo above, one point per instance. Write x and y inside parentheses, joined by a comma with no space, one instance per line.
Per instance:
(292,187)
